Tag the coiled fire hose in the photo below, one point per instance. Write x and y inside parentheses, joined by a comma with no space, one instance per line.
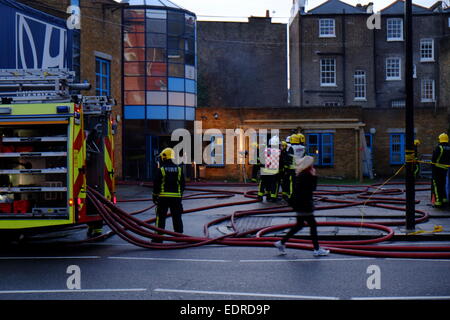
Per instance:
(141,233)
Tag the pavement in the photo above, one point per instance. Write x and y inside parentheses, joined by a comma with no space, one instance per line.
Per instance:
(435,228)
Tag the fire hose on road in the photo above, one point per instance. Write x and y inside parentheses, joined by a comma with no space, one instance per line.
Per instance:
(141,233)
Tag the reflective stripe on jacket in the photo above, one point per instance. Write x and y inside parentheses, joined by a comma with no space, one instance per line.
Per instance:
(441,156)
(169,181)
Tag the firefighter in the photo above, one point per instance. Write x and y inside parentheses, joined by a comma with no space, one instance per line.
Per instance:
(295,152)
(257,166)
(440,166)
(168,188)
(269,173)
(284,169)
(95,229)
(416,158)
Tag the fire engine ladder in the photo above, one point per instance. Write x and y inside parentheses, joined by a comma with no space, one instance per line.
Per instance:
(38,86)
(97,105)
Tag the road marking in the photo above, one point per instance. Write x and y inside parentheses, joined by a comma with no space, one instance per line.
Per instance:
(72,291)
(424,260)
(169,259)
(42,258)
(404,298)
(305,260)
(251,294)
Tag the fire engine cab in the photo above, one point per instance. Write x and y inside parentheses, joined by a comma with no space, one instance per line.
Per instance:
(54,143)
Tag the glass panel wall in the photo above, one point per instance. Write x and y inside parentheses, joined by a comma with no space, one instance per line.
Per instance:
(159,62)
(159,81)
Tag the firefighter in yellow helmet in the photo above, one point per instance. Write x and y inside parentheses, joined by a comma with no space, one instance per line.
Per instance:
(168,188)
(284,167)
(416,157)
(440,167)
(294,153)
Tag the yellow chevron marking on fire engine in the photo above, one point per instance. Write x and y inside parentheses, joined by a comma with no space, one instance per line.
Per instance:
(109,163)
(78,163)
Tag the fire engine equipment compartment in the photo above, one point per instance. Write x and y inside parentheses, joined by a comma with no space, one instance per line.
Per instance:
(33,170)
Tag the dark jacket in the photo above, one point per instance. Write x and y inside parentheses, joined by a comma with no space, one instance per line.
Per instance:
(169,180)
(441,156)
(302,195)
(286,158)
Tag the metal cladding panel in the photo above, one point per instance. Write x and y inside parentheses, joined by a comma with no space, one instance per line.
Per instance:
(30,39)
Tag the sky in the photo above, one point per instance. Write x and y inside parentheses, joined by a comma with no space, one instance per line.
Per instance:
(240,10)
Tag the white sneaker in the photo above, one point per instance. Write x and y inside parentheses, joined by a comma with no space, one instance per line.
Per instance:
(280,247)
(321,252)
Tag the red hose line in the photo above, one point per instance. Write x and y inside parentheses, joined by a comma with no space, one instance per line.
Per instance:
(112,215)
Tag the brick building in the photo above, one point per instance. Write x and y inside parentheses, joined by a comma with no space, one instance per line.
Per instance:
(336,59)
(335,135)
(96,51)
(444,56)
(242,64)
(390,57)
(329,46)
(347,89)
(342,127)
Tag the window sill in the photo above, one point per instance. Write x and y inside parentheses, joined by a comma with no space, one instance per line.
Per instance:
(328,85)
(427,60)
(327,36)
(427,101)
(360,99)
(393,79)
(395,39)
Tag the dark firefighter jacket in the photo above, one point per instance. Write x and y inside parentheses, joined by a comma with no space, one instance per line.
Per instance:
(169,180)
(441,156)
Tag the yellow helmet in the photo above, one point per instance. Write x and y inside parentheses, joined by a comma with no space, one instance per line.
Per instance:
(302,138)
(416,142)
(295,138)
(167,153)
(443,137)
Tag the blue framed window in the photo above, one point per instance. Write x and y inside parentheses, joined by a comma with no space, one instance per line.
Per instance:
(397,148)
(321,147)
(102,77)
